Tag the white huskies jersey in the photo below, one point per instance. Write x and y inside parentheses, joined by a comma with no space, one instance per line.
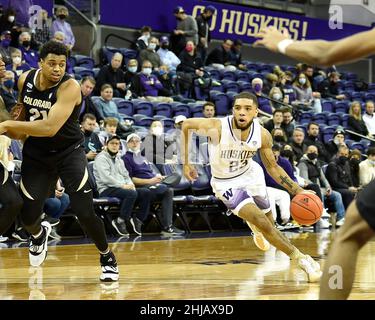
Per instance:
(233,157)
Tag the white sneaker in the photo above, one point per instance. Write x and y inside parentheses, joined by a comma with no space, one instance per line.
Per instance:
(340,222)
(259,240)
(325,214)
(38,247)
(323,224)
(3,239)
(311,267)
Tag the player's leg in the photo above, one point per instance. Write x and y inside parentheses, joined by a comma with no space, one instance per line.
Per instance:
(36,185)
(359,226)
(10,200)
(74,174)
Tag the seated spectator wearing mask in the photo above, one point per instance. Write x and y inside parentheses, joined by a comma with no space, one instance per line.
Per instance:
(113,180)
(332,146)
(92,142)
(60,24)
(7,92)
(279,137)
(298,145)
(304,97)
(17,66)
(30,56)
(313,137)
(367,168)
(276,95)
(257,89)
(149,54)
(167,57)
(142,41)
(131,71)
(355,157)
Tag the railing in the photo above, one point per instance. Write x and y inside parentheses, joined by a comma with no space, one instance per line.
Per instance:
(118,37)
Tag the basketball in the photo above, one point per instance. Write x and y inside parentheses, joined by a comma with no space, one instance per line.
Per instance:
(306,209)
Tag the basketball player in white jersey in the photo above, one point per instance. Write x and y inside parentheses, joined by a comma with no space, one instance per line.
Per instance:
(359,226)
(238,180)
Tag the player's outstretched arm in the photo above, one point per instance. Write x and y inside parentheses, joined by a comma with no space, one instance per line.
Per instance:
(201,126)
(319,52)
(68,96)
(274,170)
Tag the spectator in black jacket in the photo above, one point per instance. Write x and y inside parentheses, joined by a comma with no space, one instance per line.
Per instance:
(112,74)
(355,121)
(298,145)
(142,41)
(333,145)
(339,176)
(329,88)
(87,86)
(275,122)
(236,55)
(313,138)
(288,122)
(92,142)
(219,58)
(204,33)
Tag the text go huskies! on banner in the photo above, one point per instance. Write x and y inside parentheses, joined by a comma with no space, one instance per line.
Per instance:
(229,21)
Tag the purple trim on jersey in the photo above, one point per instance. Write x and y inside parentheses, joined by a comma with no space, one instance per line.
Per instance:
(252,132)
(232,201)
(261,202)
(230,128)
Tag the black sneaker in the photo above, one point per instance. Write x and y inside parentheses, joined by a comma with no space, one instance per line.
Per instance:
(38,247)
(52,221)
(20,234)
(172,231)
(137,225)
(120,227)
(109,267)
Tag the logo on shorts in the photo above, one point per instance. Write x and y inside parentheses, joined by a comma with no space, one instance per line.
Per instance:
(228,194)
(86,191)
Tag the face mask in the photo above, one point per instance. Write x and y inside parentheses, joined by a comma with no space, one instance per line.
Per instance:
(277,96)
(11,18)
(136,150)
(302,81)
(189,48)
(16,60)
(162,72)
(165,46)
(62,16)
(9,83)
(112,154)
(258,87)
(336,141)
(152,46)
(287,154)
(147,71)
(312,156)
(132,69)
(278,138)
(26,43)
(157,131)
(354,162)
(343,159)
(5,43)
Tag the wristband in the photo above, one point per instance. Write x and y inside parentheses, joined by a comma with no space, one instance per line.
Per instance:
(283,44)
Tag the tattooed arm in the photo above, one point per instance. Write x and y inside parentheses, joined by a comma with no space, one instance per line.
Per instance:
(274,170)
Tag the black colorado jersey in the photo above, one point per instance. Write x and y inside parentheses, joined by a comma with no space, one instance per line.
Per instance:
(37,105)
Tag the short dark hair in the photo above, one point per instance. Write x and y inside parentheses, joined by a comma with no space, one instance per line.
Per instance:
(237,42)
(209,103)
(53,47)
(88,78)
(371,151)
(89,116)
(312,123)
(277,111)
(246,95)
(146,29)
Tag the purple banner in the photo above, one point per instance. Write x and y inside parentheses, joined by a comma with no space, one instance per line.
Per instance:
(230,21)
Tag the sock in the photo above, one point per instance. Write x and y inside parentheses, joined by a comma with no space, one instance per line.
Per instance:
(295,254)
(105,252)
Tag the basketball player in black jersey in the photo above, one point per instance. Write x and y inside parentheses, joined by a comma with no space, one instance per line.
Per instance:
(359,226)
(53,148)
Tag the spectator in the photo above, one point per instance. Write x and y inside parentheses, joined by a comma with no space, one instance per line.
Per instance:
(279,136)
(20,10)
(7,92)
(329,88)
(311,171)
(236,56)
(149,54)
(277,95)
(113,180)
(92,142)
(332,146)
(175,139)
(369,118)
(314,138)
(298,145)
(110,128)
(17,66)
(186,30)
(142,41)
(166,79)
(354,161)
(288,123)
(6,38)
(286,86)
(310,74)
(42,31)
(112,74)
(167,57)
(204,33)
(355,122)
(87,106)
(8,20)
(132,69)
(30,56)
(106,106)
(209,110)
(143,176)
(367,168)
(60,24)
(338,175)
(219,58)
(271,82)
(304,97)
(275,122)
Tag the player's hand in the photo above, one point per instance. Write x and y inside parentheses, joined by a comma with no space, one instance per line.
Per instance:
(190,172)
(270,37)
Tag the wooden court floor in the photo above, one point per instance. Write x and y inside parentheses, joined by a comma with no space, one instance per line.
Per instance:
(201,268)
